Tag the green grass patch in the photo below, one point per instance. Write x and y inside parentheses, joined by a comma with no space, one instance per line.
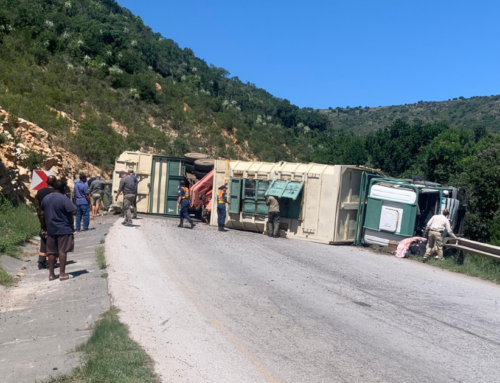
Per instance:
(474,265)
(18,223)
(110,356)
(100,257)
(6,279)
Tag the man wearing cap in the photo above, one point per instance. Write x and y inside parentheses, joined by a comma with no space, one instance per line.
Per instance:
(221,207)
(183,201)
(435,228)
(127,187)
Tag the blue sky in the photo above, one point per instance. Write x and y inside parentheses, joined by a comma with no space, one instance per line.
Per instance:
(320,53)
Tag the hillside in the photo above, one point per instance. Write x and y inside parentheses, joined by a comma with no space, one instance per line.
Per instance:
(91,73)
(459,112)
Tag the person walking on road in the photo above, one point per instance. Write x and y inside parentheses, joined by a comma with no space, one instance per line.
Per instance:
(273,221)
(136,183)
(82,199)
(127,187)
(57,213)
(40,195)
(221,207)
(96,191)
(183,201)
(435,228)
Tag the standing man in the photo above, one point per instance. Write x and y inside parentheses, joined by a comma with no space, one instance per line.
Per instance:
(183,201)
(82,199)
(57,212)
(96,191)
(127,187)
(221,207)
(40,195)
(136,183)
(436,226)
(273,219)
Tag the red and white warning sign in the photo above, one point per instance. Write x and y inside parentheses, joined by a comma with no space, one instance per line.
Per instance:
(39,179)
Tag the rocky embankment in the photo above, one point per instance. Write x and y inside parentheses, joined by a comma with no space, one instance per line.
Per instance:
(16,145)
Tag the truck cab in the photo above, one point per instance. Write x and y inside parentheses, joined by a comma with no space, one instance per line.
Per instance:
(395,209)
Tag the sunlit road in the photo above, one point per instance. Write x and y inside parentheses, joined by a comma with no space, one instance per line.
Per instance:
(242,307)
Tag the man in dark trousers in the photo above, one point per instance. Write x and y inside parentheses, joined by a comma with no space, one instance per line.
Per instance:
(127,187)
(183,201)
(82,199)
(273,218)
(136,183)
(40,195)
(57,212)
(221,207)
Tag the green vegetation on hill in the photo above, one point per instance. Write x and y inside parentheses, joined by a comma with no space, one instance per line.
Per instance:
(98,62)
(459,112)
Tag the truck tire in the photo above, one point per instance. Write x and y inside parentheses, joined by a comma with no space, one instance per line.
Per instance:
(200,175)
(190,158)
(189,168)
(204,165)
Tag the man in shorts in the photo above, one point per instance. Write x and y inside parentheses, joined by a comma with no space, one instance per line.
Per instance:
(96,191)
(40,195)
(57,211)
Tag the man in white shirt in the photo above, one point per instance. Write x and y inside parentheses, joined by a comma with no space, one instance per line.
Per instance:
(436,226)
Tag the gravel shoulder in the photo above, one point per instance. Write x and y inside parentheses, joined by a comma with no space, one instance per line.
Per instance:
(241,307)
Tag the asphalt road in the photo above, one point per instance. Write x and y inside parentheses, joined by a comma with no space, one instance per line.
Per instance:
(241,307)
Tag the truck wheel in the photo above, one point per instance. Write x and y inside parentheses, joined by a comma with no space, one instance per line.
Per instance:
(189,168)
(190,158)
(204,165)
(199,175)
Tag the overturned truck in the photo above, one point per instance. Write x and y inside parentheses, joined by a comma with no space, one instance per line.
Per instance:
(332,204)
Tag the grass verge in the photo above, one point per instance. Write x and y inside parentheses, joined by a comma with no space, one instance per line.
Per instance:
(111,356)
(474,265)
(100,257)
(18,223)
(6,279)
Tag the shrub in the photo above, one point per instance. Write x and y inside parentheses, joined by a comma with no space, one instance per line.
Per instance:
(34,159)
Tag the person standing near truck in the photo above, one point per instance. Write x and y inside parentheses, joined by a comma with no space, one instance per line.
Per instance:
(273,218)
(221,207)
(183,201)
(136,183)
(435,228)
(127,187)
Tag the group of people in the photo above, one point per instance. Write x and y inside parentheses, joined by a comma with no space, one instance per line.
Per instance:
(56,212)
(87,198)
(271,201)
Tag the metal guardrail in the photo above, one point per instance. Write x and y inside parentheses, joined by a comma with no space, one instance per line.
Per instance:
(466,246)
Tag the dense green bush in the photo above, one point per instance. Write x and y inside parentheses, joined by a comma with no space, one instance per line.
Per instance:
(33,159)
